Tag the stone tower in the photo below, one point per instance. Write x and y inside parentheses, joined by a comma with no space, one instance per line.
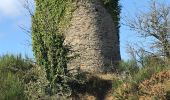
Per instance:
(93,38)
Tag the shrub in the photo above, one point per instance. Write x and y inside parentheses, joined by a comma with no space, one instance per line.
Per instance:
(155,87)
(11,87)
(14,63)
(130,85)
(129,66)
(12,70)
(145,73)
(35,83)
(145,83)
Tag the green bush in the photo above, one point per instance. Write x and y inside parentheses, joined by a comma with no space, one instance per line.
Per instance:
(35,83)
(151,65)
(11,87)
(14,63)
(129,67)
(12,70)
(127,86)
(146,73)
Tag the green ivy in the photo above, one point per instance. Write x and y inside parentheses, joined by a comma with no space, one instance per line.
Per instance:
(48,41)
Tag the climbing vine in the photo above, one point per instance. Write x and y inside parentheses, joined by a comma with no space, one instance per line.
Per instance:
(51,16)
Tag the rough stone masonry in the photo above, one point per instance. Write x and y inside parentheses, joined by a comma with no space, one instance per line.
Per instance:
(92,36)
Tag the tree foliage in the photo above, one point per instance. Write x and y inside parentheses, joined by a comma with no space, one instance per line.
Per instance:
(154,24)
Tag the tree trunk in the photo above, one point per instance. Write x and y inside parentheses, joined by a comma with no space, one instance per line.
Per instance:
(166,48)
(92,35)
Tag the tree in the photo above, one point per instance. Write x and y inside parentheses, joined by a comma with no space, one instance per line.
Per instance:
(154,24)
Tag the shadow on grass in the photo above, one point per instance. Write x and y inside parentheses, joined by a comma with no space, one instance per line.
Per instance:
(93,86)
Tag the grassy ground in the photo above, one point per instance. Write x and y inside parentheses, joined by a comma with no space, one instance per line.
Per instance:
(112,87)
(21,80)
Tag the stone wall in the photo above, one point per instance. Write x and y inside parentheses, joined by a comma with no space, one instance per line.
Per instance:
(92,36)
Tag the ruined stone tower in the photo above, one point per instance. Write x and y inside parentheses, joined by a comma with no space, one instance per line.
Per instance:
(90,28)
(92,35)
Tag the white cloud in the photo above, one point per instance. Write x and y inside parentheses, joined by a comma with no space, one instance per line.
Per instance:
(10,8)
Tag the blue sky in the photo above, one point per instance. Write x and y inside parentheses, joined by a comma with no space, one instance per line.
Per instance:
(129,9)
(14,40)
